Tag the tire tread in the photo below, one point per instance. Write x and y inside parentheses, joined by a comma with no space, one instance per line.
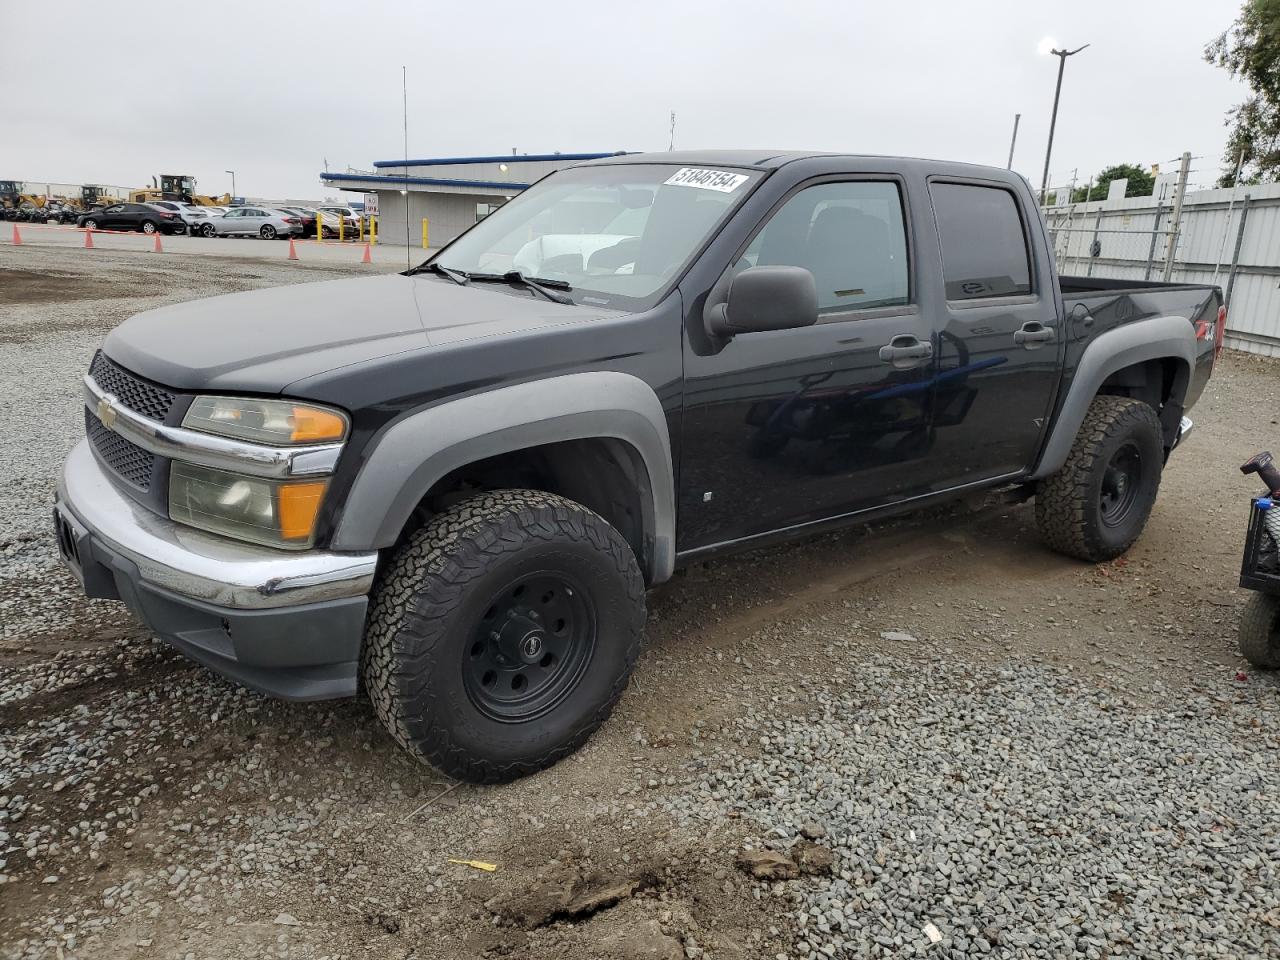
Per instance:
(1259,640)
(1063,500)
(424,582)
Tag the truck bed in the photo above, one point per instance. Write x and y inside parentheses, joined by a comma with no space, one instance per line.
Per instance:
(1110,302)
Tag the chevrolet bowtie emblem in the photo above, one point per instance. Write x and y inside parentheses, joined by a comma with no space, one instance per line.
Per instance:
(107,413)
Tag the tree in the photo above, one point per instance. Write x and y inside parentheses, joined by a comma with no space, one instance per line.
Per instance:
(1250,51)
(1141,182)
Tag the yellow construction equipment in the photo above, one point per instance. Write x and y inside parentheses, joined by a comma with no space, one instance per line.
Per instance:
(13,200)
(176,186)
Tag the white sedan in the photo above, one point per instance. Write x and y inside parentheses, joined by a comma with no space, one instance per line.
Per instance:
(253,221)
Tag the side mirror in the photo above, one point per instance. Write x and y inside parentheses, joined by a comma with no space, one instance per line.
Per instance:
(766,298)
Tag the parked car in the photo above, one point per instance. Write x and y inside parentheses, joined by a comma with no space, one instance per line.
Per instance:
(145,217)
(253,221)
(457,502)
(308,218)
(192,215)
(350,221)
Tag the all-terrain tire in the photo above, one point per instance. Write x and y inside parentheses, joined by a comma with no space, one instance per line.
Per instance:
(1073,511)
(1260,631)
(438,590)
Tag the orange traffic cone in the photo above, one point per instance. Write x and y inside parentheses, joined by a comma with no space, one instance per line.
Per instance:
(368,255)
(293,251)
(17,237)
(158,248)
(88,238)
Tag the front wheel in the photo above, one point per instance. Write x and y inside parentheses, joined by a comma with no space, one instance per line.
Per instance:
(502,634)
(268,232)
(208,230)
(1260,631)
(1097,505)
(91,224)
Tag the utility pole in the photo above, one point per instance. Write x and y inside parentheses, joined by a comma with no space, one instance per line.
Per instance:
(1175,222)
(233,182)
(1053,119)
(1013,140)
(671,144)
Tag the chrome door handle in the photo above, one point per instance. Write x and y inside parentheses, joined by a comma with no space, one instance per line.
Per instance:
(905,350)
(1033,334)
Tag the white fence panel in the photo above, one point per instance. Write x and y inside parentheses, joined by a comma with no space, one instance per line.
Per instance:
(1124,232)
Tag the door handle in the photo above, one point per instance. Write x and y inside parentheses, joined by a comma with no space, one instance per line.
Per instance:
(905,350)
(1033,334)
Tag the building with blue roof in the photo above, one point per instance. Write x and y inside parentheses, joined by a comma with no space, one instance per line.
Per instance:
(450,193)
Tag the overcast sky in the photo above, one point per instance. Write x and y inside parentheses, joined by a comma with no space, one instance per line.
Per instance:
(272,88)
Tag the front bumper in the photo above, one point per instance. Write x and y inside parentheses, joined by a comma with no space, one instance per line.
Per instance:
(288,624)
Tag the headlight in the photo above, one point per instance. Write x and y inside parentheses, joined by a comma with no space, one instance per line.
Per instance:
(276,513)
(266,421)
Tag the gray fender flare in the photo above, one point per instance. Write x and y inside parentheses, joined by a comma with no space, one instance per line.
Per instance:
(1156,338)
(414,452)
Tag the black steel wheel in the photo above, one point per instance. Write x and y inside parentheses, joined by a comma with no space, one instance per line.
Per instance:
(501,634)
(1121,482)
(530,647)
(1097,505)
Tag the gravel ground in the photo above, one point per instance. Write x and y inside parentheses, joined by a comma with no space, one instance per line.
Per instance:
(931,730)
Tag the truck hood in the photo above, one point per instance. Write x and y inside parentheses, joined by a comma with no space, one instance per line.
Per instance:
(261,341)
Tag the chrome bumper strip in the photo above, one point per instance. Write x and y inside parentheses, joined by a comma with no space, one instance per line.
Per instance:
(205,449)
(1184,430)
(198,565)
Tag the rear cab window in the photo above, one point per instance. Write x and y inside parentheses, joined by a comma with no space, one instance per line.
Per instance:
(983,239)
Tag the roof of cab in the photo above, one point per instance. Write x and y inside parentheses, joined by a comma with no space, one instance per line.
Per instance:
(773,159)
(762,159)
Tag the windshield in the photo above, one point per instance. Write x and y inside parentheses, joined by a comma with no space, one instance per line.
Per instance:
(615,233)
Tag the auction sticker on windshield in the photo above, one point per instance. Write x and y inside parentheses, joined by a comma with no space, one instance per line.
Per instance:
(721,180)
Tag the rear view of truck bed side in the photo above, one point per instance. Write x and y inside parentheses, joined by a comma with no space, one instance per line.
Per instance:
(1094,307)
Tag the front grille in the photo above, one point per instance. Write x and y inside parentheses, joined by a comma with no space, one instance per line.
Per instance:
(138,395)
(128,460)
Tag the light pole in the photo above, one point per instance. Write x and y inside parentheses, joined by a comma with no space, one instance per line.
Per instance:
(233,181)
(1053,120)
(1013,141)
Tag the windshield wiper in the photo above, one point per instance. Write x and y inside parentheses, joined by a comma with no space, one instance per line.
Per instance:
(460,279)
(540,285)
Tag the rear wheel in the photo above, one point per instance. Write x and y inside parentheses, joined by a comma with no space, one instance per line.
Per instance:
(1260,631)
(502,634)
(1097,505)
(268,232)
(149,226)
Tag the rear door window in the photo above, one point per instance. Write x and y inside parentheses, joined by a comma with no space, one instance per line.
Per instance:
(984,244)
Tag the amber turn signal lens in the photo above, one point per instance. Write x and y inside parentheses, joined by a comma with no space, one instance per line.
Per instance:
(311,424)
(299,506)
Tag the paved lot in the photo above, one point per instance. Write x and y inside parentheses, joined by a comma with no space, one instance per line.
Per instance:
(1060,760)
(329,252)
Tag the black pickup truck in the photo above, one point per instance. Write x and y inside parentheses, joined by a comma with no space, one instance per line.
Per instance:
(453,486)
